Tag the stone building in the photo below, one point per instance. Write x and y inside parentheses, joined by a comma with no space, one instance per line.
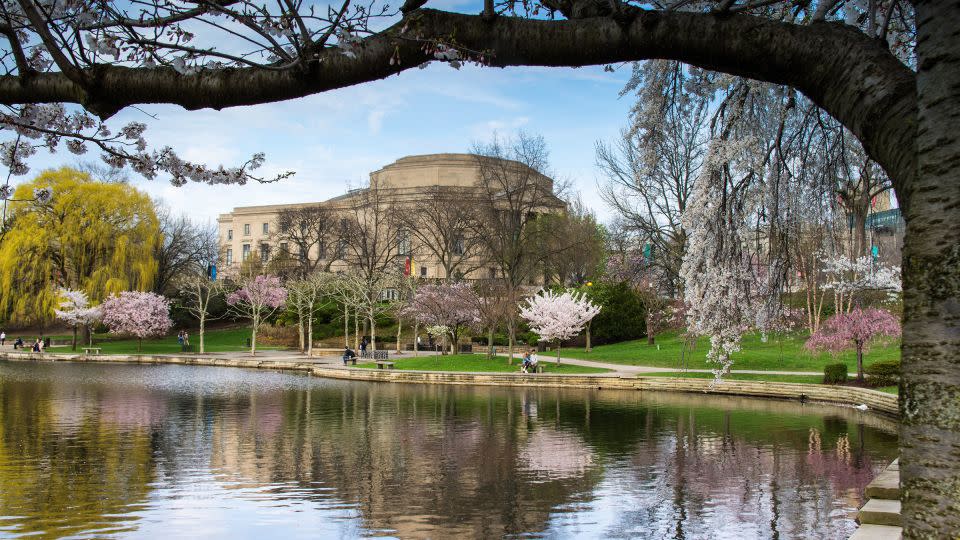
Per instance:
(410,187)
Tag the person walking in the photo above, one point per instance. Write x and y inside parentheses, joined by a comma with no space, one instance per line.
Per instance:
(3,338)
(363,346)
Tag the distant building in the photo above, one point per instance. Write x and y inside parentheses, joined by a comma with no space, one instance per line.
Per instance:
(409,184)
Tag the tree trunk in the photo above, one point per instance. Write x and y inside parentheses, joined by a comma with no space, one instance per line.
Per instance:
(930,391)
(416,337)
(356,331)
(589,348)
(203,321)
(860,362)
(490,342)
(399,327)
(310,334)
(558,353)
(139,344)
(74,346)
(253,336)
(346,326)
(373,333)
(300,333)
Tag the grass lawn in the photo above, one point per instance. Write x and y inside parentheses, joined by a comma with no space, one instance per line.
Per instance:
(475,362)
(220,340)
(778,353)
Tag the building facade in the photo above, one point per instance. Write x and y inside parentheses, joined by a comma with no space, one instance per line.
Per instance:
(388,208)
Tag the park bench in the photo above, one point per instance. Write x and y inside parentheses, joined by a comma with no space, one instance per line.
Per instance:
(381,364)
(92,350)
(350,360)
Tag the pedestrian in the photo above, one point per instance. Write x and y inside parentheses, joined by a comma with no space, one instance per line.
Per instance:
(363,345)
(533,360)
(18,344)
(3,338)
(36,345)
(180,339)
(186,340)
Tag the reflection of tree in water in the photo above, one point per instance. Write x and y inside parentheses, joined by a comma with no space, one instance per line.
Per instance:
(65,469)
(443,461)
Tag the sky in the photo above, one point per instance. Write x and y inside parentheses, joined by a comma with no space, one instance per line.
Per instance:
(332,141)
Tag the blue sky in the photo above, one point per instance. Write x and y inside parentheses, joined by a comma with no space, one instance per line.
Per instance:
(334,140)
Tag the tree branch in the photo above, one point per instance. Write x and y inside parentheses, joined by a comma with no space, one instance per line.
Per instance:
(844,71)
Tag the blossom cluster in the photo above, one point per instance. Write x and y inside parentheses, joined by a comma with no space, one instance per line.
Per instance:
(854,329)
(555,316)
(262,292)
(139,314)
(75,309)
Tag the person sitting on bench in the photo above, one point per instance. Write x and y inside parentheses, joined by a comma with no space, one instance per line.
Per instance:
(18,344)
(348,354)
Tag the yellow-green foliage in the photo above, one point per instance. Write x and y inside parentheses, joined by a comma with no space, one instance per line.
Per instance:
(93,236)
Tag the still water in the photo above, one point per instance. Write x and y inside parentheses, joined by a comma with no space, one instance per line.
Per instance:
(181,451)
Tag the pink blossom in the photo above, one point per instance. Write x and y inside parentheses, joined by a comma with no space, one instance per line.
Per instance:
(853,330)
(139,314)
(256,300)
(452,306)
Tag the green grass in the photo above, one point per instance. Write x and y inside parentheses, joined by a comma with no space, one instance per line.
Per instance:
(220,340)
(778,353)
(475,362)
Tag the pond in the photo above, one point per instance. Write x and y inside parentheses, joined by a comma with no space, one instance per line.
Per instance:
(91,450)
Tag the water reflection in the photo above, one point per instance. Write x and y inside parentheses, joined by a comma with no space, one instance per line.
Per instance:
(173,451)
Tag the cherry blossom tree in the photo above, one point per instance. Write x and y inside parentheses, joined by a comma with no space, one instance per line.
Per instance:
(257,299)
(139,314)
(557,317)
(76,311)
(451,305)
(855,329)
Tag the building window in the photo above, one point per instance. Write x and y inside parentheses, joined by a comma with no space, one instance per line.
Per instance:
(457,247)
(229,257)
(389,294)
(246,229)
(493,273)
(264,253)
(284,248)
(403,242)
(322,250)
(229,234)
(266,228)
(423,271)
(245,252)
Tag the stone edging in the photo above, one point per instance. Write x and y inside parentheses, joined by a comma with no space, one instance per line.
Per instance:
(875,400)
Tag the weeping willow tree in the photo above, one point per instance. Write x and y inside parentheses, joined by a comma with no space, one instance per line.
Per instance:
(91,236)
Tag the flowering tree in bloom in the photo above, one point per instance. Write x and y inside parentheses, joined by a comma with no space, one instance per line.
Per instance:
(454,306)
(257,299)
(848,277)
(140,314)
(75,310)
(855,329)
(557,317)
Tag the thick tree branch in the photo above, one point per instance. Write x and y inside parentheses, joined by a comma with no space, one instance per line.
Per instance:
(850,75)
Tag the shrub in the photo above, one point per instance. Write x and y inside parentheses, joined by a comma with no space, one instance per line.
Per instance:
(883,373)
(622,316)
(835,373)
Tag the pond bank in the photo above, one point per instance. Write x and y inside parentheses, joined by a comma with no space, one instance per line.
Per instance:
(873,399)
